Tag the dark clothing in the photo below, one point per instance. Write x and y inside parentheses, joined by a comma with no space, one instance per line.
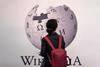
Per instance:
(46,49)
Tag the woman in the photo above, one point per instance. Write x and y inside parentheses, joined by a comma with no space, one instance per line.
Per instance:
(54,38)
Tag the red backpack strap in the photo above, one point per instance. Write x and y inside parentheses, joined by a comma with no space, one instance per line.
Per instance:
(49,42)
(60,41)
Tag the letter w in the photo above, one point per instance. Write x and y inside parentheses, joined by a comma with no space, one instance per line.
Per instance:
(27,59)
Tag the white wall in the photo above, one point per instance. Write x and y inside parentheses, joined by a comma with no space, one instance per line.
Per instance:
(14,42)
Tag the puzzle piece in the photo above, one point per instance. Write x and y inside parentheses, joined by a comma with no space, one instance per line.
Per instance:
(41,17)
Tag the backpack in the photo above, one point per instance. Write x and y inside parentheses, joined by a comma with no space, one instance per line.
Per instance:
(58,55)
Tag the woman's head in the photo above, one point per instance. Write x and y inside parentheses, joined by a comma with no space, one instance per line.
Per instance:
(51,25)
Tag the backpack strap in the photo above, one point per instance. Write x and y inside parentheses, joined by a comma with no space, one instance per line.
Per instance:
(49,42)
(60,41)
(51,45)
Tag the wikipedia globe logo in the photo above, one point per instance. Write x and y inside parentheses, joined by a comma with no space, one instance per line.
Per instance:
(35,23)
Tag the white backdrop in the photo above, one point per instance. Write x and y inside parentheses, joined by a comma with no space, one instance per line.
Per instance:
(14,42)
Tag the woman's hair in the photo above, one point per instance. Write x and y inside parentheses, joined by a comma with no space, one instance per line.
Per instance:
(51,25)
